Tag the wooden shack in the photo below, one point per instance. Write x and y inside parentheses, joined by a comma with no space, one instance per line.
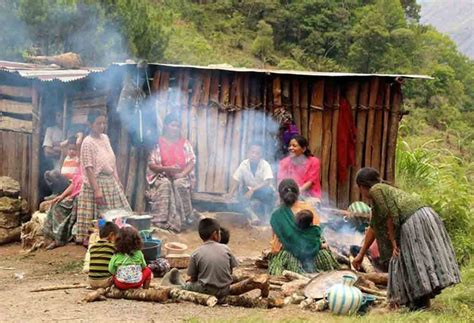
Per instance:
(222,110)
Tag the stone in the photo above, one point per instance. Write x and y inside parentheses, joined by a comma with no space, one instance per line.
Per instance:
(9,187)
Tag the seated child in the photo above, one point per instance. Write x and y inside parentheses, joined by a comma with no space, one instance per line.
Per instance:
(128,265)
(71,162)
(304,220)
(211,264)
(100,254)
(225,236)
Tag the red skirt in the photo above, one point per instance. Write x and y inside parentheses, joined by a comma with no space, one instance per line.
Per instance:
(146,275)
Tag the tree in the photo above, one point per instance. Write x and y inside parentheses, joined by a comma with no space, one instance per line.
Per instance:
(262,47)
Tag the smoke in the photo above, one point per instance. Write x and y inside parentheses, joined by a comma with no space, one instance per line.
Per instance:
(32,28)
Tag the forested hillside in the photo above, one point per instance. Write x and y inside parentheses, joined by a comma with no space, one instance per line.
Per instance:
(435,154)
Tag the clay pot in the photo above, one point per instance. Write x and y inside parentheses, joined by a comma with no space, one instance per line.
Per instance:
(344,298)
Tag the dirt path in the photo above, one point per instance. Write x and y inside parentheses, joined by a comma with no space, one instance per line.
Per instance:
(64,265)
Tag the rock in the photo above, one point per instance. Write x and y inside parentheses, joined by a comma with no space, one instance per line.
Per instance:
(9,235)
(9,205)
(9,187)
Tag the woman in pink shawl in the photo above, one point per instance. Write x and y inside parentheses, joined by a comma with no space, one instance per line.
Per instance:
(62,214)
(302,167)
(170,175)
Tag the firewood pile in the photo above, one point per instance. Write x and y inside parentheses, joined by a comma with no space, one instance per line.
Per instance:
(13,210)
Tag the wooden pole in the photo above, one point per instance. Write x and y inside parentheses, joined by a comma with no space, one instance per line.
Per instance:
(385,127)
(132,175)
(213,121)
(327,139)
(393,132)
(295,96)
(141,181)
(35,147)
(333,166)
(163,94)
(202,133)
(195,97)
(378,123)
(236,93)
(304,104)
(184,102)
(221,144)
(316,118)
(369,140)
(344,195)
(360,140)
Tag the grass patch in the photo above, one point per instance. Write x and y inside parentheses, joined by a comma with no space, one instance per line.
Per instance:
(455,304)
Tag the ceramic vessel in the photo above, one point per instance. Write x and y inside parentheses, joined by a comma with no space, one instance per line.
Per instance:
(344,298)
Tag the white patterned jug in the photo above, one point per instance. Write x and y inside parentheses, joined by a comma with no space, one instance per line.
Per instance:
(344,298)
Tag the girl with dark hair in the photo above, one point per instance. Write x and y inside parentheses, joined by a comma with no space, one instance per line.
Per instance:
(170,176)
(128,264)
(101,189)
(301,166)
(295,248)
(412,240)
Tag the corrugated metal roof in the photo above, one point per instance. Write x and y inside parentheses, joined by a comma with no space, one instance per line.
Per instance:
(290,72)
(47,72)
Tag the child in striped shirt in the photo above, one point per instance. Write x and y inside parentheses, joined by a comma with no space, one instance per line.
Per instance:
(100,254)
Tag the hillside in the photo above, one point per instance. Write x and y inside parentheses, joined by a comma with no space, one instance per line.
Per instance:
(453,17)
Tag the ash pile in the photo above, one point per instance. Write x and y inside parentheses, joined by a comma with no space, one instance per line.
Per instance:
(13,210)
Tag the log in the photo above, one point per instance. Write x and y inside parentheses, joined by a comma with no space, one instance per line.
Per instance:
(147,295)
(258,282)
(59,287)
(198,298)
(248,302)
(374,88)
(361,281)
(291,275)
(304,104)
(366,265)
(316,118)
(97,295)
(377,278)
(393,132)
(373,292)
(295,97)
(360,140)
(333,163)
(295,286)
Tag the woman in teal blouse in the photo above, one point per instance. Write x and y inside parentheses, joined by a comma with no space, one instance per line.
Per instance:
(412,237)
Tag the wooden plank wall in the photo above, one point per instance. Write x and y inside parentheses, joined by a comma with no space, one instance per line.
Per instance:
(222,112)
(16,125)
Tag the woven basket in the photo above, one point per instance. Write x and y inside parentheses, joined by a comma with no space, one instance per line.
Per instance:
(178,260)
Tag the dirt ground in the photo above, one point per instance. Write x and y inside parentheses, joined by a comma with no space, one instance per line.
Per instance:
(20,273)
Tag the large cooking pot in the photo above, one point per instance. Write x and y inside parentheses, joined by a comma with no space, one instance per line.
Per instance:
(140,222)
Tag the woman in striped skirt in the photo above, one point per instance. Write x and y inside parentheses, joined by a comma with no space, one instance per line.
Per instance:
(101,190)
(295,249)
(412,238)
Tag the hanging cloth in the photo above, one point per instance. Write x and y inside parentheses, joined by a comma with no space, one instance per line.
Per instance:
(346,140)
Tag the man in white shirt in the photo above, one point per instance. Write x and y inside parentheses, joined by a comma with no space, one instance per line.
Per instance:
(52,141)
(253,180)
